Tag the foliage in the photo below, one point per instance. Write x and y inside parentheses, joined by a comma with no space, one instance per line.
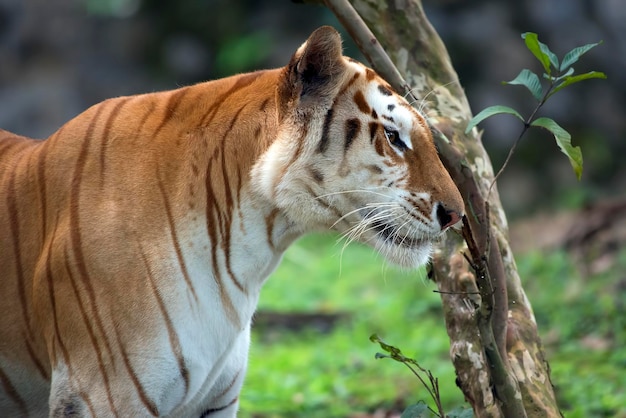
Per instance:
(334,374)
(583,322)
(242,53)
(318,390)
(558,75)
(317,374)
(421,409)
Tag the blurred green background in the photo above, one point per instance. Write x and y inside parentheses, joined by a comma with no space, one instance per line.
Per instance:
(311,355)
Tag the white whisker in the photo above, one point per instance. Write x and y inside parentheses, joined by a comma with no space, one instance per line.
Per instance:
(397,237)
(351,212)
(409,92)
(372,208)
(366,224)
(422,101)
(354,191)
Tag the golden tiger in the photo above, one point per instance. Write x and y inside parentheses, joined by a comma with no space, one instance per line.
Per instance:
(134,241)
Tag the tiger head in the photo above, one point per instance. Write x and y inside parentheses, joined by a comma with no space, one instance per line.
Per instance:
(354,156)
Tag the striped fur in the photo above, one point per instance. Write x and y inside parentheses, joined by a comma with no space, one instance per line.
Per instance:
(135,240)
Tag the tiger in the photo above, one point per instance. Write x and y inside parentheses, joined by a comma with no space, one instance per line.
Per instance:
(135,240)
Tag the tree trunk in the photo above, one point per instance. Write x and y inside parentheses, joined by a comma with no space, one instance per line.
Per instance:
(494,345)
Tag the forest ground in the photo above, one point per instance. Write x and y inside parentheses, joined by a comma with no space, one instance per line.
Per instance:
(311,355)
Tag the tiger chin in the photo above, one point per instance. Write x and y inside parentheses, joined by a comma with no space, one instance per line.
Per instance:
(135,240)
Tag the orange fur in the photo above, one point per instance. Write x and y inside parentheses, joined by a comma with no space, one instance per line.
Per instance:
(134,241)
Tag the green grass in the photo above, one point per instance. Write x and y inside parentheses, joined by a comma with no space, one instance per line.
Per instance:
(312,374)
(583,325)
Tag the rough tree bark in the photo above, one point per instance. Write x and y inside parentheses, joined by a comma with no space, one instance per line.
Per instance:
(494,344)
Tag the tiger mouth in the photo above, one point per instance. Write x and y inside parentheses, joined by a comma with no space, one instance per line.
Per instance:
(390,234)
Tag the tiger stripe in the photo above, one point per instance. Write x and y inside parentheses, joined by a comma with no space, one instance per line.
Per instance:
(269,227)
(174,341)
(324,141)
(361,103)
(316,175)
(14,227)
(211,411)
(135,240)
(353,126)
(227,224)
(92,337)
(12,142)
(12,393)
(174,237)
(241,83)
(76,239)
(148,403)
(81,264)
(385,90)
(106,136)
(225,391)
(151,106)
(58,339)
(174,101)
(214,225)
(43,195)
(323,144)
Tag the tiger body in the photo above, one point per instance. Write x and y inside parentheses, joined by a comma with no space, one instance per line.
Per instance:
(134,241)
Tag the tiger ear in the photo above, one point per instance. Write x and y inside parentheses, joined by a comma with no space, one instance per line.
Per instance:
(315,69)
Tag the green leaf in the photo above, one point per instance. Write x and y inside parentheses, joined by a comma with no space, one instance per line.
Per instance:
(551,56)
(569,72)
(415,411)
(388,348)
(572,56)
(490,111)
(529,80)
(532,43)
(577,78)
(564,141)
(461,412)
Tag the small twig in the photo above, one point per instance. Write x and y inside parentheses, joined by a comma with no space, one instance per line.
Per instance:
(527,124)
(441,292)
(432,387)
(508,158)
(369,45)
(434,392)
(469,261)
(505,385)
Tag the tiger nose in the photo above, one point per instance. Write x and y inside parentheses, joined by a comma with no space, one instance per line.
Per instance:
(447,217)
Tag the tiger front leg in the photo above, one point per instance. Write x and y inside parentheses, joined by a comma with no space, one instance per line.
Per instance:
(103,392)
(64,400)
(222,401)
(225,403)
(227,411)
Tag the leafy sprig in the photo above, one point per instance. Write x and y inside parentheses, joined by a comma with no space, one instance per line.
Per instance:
(557,75)
(430,382)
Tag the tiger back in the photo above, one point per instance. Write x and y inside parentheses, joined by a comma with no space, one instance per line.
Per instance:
(134,241)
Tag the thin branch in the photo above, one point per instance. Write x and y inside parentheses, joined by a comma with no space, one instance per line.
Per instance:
(369,45)
(441,292)
(527,125)
(506,386)
(508,158)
